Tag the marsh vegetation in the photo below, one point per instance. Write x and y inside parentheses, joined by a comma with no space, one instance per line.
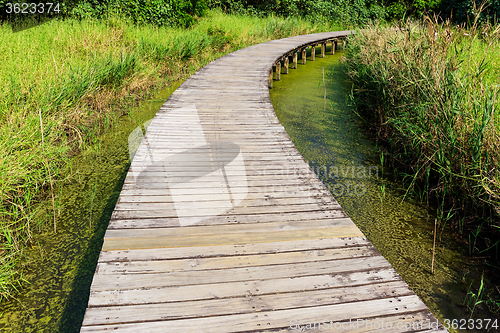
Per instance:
(429,92)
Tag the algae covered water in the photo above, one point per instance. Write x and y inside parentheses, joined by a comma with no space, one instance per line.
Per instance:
(60,270)
(330,136)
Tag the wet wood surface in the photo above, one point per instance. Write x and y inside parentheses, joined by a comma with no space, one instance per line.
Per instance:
(221,225)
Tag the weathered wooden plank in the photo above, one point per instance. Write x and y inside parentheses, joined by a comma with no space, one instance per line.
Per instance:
(216,202)
(214,197)
(210,173)
(162,195)
(242,238)
(247,157)
(232,250)
(227,219)
(275,319)
(262,186)
(174,168)
(159,280)
(165,266)
(284,191)
(114,296)
(248,304)
(257,149)
(262,227)
(291,164)
(210,212)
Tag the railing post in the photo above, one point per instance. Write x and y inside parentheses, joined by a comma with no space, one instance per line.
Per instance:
(295,60)
(313,52)
(286,65)
(304,54)
(278,70)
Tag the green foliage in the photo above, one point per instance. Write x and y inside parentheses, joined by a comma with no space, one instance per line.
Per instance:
(399,9)
(352,12)
(159,12)
(466,10)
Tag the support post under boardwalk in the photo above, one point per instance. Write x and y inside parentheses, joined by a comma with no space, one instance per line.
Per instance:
(295,60)
(270,83)
(313,52)
(334,45)
(323,48)
(304,54)
(285,64)
(278,70)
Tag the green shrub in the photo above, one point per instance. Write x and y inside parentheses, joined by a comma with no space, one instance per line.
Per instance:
(180,13)
(465,10)
(353,12)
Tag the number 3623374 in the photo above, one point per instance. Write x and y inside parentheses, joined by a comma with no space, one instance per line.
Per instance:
(471,323)
(32,8)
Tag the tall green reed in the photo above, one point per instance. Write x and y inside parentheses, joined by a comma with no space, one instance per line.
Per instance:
(423,86)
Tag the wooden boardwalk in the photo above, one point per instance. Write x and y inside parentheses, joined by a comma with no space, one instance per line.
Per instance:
(221,226)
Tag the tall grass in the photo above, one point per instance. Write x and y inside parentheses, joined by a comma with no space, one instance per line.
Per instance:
(79,76)
(431,92)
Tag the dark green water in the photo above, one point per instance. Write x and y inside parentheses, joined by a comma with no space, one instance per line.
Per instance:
(330,137)
(59,276)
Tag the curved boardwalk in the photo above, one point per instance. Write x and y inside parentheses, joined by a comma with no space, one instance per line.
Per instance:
(221,226)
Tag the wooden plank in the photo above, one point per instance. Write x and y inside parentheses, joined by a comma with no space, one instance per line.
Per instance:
(254,165)
(100,297)
(274,319)
(259,186)
(232,250)
(165,266)
(247,304)
(128,243)
(132,194)
(218,201)
(208,172)
(131,179)
(154,281)
(210,212)
(212,196)
(262,227)
(227,219)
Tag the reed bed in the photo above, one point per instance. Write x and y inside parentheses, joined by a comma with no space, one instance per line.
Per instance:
(66,82)
(430,91)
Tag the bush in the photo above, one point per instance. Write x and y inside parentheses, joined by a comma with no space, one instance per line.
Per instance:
(351,12)
(462,11)
(180,13)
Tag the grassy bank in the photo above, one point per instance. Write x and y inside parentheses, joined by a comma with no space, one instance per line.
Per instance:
(430,92)
(66,82)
